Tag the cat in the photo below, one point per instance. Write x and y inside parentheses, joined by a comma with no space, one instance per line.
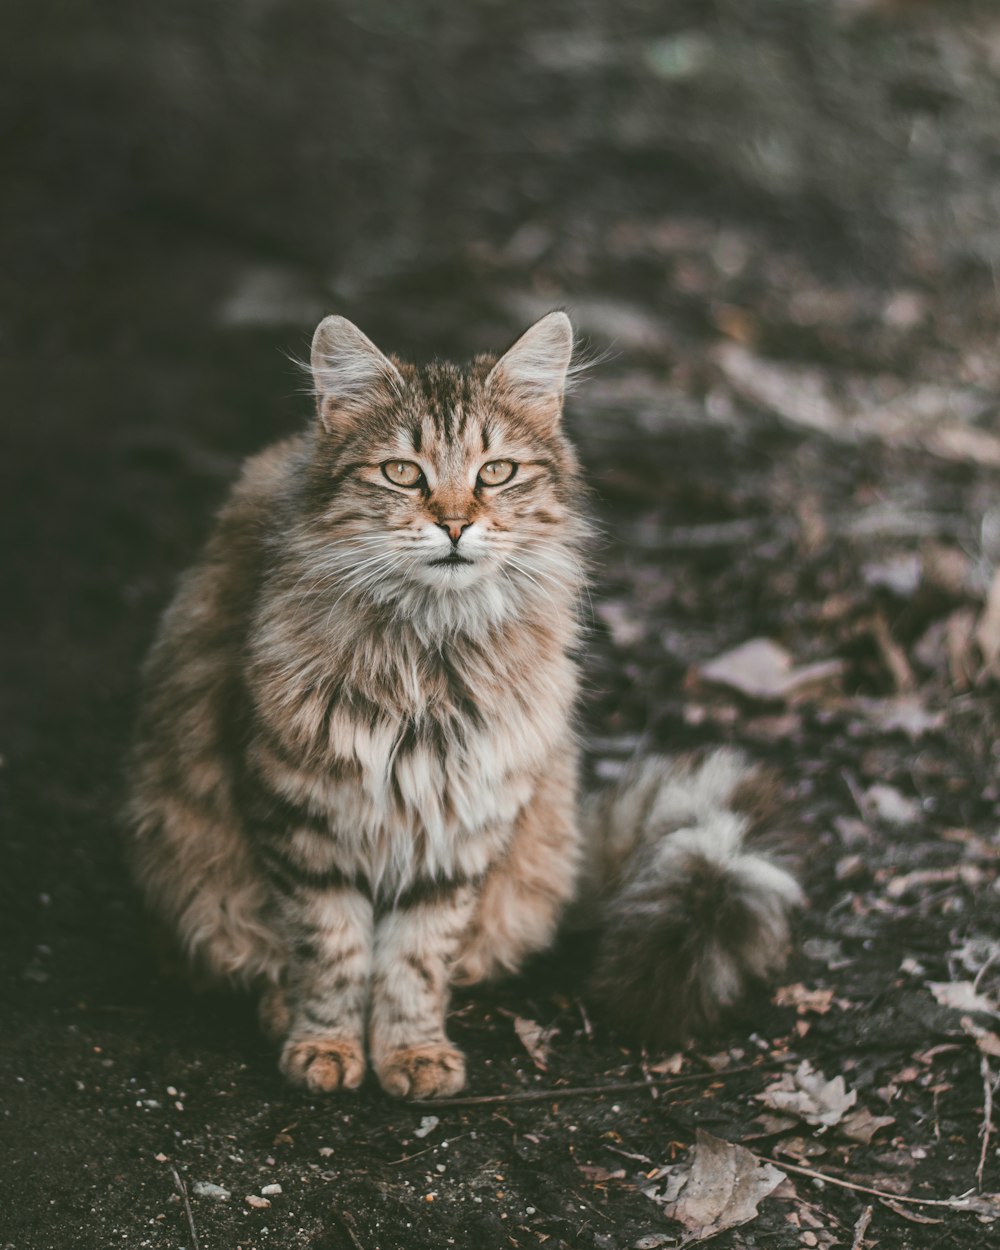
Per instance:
(354,776)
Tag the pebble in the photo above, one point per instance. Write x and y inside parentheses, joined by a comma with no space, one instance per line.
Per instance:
(270,1190)
(258,1203)
(427,1125)
(206,1189)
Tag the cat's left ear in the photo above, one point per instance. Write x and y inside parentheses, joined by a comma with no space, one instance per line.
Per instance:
(349,372)
(533,372)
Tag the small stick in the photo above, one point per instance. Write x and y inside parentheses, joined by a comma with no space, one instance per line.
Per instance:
(578,1091)
(953,1204)
(346,1221)
(986,1132)
(864,1219)
(182,1189)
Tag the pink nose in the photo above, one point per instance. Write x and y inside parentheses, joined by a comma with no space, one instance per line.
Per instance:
(454,527)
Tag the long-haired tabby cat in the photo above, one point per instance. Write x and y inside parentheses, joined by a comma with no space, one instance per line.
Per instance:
(354,778)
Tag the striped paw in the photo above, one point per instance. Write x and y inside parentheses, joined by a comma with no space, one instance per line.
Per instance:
(323,1064)
(434,1071)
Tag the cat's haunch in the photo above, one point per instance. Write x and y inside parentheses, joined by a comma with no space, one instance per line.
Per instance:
(354,778)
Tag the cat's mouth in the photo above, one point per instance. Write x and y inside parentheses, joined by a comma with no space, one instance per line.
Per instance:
(452,561)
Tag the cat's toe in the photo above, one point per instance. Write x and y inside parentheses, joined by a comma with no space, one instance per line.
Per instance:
(434,1071)
(323,1065)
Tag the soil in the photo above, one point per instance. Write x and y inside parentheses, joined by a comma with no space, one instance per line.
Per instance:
(776,226)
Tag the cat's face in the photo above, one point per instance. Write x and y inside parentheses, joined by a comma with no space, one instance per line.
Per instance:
(446,483)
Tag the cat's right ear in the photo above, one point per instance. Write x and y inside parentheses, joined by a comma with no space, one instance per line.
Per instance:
(349,372)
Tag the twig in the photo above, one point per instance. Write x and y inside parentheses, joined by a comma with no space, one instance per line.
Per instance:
(986,1131)
(983,970)
(864,1219)
(578,1091)
(346,1222)
(893,655)
(953,1204)
(427,1149)
(182,1189)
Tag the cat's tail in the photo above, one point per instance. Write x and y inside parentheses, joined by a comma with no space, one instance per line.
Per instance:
(692,907)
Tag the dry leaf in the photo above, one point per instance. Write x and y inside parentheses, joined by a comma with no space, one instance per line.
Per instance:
(968,874)
(624,628)
(719,1189)
(535,1040)
(810,1096)
(597,1175)
(802,1149)
(962,996)
(862,1126)
(804,1000)
(904,714)
(760,669)
(886,803)
(669,1066)
(987,1041)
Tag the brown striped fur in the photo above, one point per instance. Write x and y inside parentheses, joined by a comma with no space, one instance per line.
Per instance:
(354,776)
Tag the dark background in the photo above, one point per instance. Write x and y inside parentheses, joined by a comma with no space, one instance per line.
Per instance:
(779,220)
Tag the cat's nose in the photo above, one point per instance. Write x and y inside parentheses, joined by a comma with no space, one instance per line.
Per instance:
(454,527)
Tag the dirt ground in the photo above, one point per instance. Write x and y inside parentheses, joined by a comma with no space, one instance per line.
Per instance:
(777,226)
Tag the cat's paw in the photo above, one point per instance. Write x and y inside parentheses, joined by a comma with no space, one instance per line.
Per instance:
(434,1071)
(323,1064)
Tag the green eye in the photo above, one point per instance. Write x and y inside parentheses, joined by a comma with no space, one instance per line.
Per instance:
(403,472)
(497,472)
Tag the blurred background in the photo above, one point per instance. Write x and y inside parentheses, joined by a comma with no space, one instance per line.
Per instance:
(779,224)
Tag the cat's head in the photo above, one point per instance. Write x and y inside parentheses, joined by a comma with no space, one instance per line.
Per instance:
(441,489)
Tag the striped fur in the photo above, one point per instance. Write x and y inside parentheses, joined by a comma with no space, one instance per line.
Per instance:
(354,775)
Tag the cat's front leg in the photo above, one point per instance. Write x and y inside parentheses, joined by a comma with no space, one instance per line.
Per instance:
(327,987)
(415,947)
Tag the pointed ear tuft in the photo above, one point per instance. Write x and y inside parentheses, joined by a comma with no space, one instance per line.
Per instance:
(348,372)
(533,372)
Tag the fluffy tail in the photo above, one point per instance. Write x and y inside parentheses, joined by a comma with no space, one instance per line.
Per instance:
(692,911)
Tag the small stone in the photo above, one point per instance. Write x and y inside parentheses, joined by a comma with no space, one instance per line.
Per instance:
(255,1201)
(427,1125)
(270,1190)
(206,1189)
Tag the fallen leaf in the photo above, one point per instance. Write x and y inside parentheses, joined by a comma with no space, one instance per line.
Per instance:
(760,669)
(826,951)
(804,1000)
(986,1206)
(810,1096)
(987,1041)
(596,1174)
(962,996)
(719,1189)
(669,1066)
(802,1149)
(967,874)
(535,1040)
(624,628)
(886,803)
(862,1126)
(904,714)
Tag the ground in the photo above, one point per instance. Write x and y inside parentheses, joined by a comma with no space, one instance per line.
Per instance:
(776,227)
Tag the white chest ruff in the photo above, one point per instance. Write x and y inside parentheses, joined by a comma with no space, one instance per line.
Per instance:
(413,802)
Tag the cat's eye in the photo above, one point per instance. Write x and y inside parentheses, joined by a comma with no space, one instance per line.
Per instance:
(497,472)
(403,472)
